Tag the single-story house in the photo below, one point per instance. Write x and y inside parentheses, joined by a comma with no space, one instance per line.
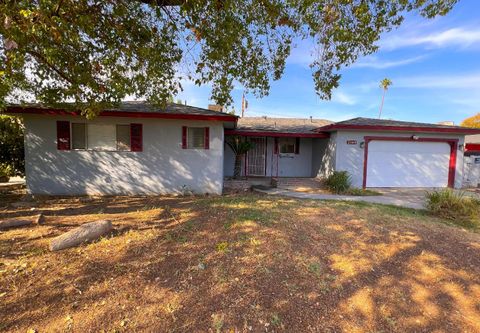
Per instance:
(141,149)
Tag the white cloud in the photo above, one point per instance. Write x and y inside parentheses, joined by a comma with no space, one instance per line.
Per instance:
(460,37)
(467,81)
(343,98)
(375,62)
(462,81)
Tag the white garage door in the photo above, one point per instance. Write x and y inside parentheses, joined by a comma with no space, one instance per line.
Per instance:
(407,164)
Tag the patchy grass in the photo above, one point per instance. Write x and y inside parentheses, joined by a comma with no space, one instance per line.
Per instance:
(238,263)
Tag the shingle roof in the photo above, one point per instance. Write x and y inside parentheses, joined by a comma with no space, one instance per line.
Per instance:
(128,108)
(396,125)
(280,125)
(388,122)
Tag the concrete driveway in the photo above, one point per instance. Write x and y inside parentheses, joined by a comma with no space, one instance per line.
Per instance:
(402,197)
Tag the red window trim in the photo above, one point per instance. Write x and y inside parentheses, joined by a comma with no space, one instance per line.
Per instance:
(136,141)
(453,153)
(64,136)
(206,142)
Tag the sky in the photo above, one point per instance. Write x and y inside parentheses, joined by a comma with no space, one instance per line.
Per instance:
(434,66)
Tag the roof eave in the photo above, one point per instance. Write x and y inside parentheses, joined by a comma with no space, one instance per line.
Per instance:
(420,129)
(278,134)
(128,114)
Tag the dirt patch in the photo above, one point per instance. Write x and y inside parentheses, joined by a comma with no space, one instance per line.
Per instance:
(239,263)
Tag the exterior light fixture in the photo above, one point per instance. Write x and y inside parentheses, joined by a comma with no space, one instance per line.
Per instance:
(362,144)
(415,137)
(461,147)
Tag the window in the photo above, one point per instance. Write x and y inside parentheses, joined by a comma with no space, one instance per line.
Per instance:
(101,137)
(287,145)
(123,137)
(79,136)
(196,137)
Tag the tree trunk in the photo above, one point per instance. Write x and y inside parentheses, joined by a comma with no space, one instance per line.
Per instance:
(85,233)
(14,223)
(237,169)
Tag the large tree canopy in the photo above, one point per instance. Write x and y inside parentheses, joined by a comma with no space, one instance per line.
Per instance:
(97,52)
(473,121)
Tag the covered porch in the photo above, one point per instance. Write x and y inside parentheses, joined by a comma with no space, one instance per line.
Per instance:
(282,155)
(285,151)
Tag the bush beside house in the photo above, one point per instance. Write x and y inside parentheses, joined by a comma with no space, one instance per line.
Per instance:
(454,206)
(340,182)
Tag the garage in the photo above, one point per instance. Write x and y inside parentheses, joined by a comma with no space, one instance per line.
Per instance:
(408,163)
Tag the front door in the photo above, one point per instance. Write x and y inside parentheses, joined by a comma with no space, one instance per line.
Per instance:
(256,157)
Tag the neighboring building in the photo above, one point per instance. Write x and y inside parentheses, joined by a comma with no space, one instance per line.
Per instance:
(140,149)
(472,145)
(472,161)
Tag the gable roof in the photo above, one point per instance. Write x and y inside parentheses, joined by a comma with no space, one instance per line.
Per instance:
(266,126)
(132,109)
(395,125)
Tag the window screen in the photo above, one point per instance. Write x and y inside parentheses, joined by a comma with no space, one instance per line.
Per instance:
(196,137)
(102,137)
(123,137)
(79,136)
(287,146)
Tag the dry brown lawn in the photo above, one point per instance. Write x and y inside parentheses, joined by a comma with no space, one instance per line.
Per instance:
(238,263)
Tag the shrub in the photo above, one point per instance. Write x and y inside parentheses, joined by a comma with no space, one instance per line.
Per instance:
(339,182)
(11,144)
(6,172)
(454,206)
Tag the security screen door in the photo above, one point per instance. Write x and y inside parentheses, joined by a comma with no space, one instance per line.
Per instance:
(256,157)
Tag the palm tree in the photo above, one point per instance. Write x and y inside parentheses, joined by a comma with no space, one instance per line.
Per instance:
(239,147)
(384,84)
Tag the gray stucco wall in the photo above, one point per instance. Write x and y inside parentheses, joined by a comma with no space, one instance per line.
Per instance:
(323,156)
(295,165)
(350,157)
(162,167)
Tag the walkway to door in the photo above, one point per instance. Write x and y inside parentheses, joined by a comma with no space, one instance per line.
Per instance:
(407,198)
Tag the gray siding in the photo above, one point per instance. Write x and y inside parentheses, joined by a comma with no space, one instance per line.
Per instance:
(350,157)
(162,167)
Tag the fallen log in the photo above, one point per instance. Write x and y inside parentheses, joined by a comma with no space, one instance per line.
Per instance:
(85,233)
(14,223)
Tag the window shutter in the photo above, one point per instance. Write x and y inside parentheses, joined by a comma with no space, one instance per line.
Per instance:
(63,135)
(275,146)
(297,146)
(207,137)
(136,137)
(184,137)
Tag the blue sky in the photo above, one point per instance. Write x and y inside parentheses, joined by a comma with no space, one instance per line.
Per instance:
(434,66)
